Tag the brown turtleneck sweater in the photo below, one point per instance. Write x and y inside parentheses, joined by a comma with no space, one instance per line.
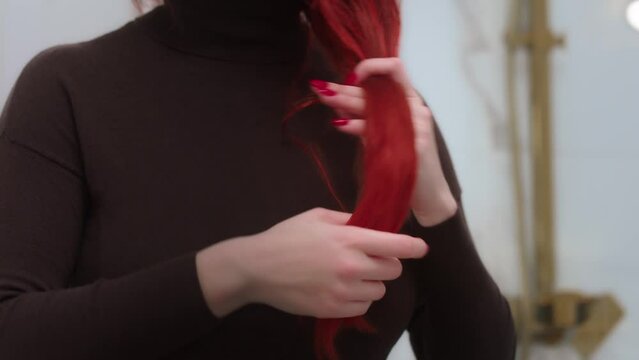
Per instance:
(122,156)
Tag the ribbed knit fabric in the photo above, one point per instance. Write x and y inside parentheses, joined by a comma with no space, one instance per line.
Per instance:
(123,156)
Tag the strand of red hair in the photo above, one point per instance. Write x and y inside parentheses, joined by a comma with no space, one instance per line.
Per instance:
(352,31)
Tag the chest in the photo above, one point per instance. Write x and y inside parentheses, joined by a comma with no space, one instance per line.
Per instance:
(176,166)
(172,169)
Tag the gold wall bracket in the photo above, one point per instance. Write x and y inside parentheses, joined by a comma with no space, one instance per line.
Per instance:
(583,320)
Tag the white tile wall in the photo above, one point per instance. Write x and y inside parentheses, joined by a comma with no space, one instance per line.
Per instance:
(596,95)
(29,26)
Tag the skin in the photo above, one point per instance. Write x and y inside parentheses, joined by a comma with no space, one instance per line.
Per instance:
(432,201)
(314,264)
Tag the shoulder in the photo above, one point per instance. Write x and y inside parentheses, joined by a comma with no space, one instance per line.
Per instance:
(58,75)
(40,110)
(54,71)
(66,60)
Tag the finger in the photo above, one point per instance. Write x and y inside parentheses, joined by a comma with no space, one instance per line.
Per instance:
(352,105)
(354,91)
(392,67)
(356,308)
(423,125)
(331,216)
(384,244)
(366,290)
(375,268)
(418,109)
(342,114)
(350,126)
(383,269)
(320,86)
(347,309)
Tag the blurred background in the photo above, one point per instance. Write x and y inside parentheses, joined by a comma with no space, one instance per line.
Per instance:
(539,103)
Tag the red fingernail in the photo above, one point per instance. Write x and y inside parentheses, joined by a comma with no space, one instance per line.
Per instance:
(340,122)
(351,79)
(319,84)
(327,92)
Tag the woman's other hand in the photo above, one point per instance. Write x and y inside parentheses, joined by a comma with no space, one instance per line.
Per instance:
(433,201)
(311,264)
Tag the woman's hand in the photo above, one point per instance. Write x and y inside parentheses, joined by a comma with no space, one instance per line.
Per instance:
(432,201)
(311,264)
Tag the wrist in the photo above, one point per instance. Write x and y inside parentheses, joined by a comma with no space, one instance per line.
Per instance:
(439,210)
(223,282)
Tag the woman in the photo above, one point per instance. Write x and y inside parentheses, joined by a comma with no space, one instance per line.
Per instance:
(152,209)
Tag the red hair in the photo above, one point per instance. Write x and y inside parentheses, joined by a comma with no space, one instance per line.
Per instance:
(352,31)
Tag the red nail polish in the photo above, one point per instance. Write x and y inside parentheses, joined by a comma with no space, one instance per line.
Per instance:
(319,84)
(340,122)
(351,79)
(327,92)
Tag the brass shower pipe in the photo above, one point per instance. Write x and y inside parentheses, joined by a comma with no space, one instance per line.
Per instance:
(539,41)
(542,313)
(523,307)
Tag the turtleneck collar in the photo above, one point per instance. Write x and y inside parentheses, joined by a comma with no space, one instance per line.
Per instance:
(255,31)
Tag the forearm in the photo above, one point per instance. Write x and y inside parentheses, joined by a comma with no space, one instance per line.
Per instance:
(146,314)
(463,314)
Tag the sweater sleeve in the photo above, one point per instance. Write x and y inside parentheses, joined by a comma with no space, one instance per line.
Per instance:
(43,202)
(461,313)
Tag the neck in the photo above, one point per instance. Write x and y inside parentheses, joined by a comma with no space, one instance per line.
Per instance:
(251,30)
